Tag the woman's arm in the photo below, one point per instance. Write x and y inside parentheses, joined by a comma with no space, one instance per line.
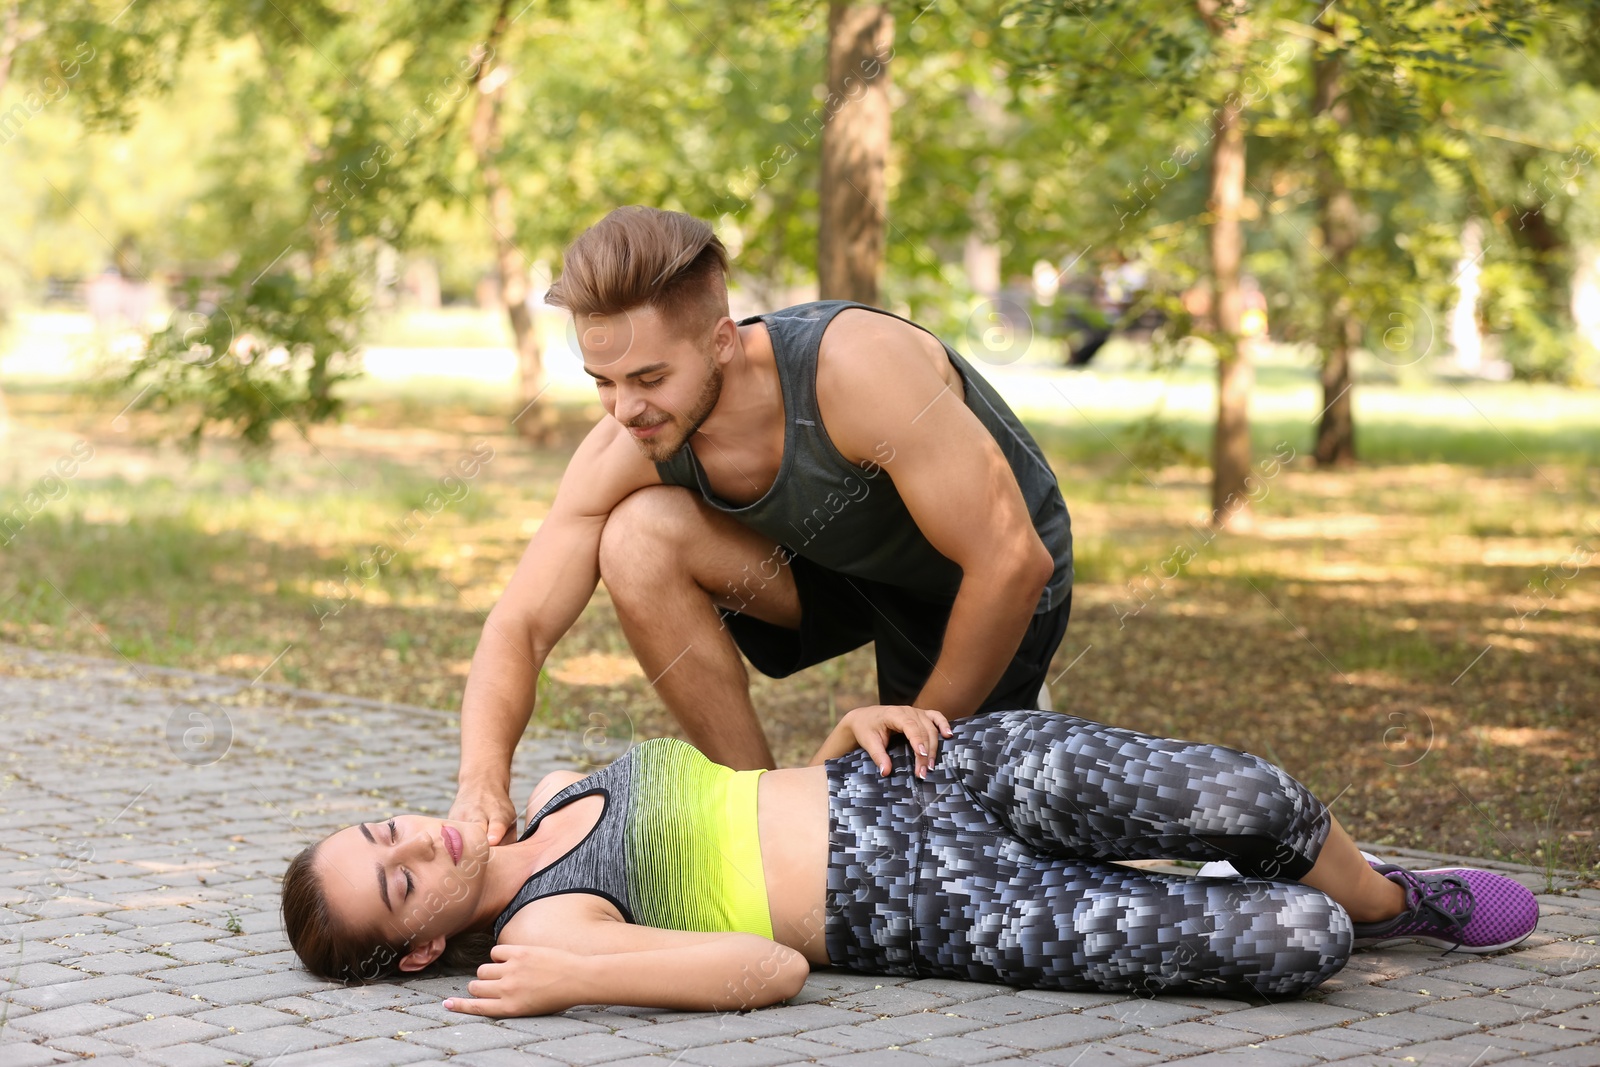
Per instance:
(870,727)
(638,965)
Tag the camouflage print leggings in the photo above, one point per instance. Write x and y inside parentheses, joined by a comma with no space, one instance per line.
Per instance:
(996,867)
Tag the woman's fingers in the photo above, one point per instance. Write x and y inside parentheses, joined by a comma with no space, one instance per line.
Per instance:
(489,1006)
(874,744)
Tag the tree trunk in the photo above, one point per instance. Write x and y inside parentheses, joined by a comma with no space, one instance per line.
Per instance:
(515,285)
(855,149)
(1336,212)
(1230,502)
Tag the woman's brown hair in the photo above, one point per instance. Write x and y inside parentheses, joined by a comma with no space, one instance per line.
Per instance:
(645,257)
(332,951)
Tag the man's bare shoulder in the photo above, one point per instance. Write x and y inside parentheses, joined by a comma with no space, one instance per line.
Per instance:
(868,363)
(606,467)
(857,338)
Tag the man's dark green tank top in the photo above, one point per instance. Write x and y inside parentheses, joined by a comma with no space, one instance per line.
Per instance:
(850,518)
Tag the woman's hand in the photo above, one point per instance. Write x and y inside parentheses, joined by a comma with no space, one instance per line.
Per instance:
(522,980)
(870,727)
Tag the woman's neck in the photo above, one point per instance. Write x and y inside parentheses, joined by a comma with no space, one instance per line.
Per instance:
(505,871)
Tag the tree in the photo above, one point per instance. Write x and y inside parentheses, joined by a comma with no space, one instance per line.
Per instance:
(855,147)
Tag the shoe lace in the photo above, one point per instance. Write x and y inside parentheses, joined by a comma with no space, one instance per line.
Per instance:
(1445,898)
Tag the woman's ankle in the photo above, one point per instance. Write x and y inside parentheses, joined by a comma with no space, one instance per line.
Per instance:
(1381,899)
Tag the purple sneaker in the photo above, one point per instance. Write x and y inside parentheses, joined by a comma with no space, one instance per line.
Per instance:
(1455,908)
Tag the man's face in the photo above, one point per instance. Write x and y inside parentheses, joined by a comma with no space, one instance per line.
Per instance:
(660,385)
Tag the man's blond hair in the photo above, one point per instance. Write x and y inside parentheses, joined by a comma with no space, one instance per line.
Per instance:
(645,257)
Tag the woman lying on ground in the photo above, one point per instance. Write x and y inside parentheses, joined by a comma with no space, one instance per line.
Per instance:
(979,851)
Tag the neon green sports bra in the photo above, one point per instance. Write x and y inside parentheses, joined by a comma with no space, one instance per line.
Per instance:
(675,846)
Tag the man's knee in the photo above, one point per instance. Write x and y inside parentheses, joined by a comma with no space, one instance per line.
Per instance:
(643,532)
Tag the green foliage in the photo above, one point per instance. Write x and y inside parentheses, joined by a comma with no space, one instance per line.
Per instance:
(250,355)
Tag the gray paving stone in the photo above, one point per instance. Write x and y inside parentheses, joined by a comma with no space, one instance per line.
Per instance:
(971,1047)
(1490,975)
(544,1027)
(1540,1033)
(1480,1011)
(591,1048)
(304,1007)
(1147,1013)
(1434,985)
(266,1045)
(1585,1056)
(1288,1017)
(1317,1045)
(158,1003)
(366,1024)
(1162,1048)
(1587,1018)
(1096,1054)
(1250,1057)
(1544,997)
(700,1032)
(1410,1026)
(243,1017)
(503,1057)
(1374,999)
(190,1056)
(1052,1031)
(885,1058)
(803,1048)
(1472,1050)
(109,987)
(168,1030)
(1204,1035)
(1076,1001)
(736,1054)
(891,1000)
(121,963)
(259,987)
(372,1052)
(1007,1009)
(65,1022)
(140,939)
(1561,957)
(21,1055)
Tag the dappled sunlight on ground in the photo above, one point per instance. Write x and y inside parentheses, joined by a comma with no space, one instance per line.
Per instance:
(1420,641)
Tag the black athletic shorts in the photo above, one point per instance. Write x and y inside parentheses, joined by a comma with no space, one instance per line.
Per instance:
(839,613)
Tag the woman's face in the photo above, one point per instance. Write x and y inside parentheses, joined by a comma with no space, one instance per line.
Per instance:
(409,878)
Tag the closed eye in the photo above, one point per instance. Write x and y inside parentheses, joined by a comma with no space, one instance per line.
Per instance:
(651,384)
(409,884)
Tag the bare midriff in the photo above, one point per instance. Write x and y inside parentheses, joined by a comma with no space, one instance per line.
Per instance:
(792,821)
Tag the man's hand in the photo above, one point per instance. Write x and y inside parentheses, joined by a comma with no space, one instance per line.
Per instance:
(522,980)
(488,806)
(870,727)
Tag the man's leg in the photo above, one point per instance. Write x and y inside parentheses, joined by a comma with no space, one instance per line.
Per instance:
(669,562)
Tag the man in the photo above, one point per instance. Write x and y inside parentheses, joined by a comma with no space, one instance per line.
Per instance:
(790,486)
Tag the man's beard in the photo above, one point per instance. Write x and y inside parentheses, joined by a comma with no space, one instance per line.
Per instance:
(659,449)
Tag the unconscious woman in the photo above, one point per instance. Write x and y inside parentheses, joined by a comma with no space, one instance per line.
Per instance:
(983,850)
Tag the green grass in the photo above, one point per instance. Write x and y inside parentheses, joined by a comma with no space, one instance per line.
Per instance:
(1362,595)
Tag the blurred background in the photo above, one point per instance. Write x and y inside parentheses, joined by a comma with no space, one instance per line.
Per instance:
(1302,302)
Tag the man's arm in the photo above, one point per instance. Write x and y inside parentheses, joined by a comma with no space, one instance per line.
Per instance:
(553,582)
(884,384)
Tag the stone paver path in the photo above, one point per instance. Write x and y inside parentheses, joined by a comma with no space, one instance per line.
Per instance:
(147,815)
